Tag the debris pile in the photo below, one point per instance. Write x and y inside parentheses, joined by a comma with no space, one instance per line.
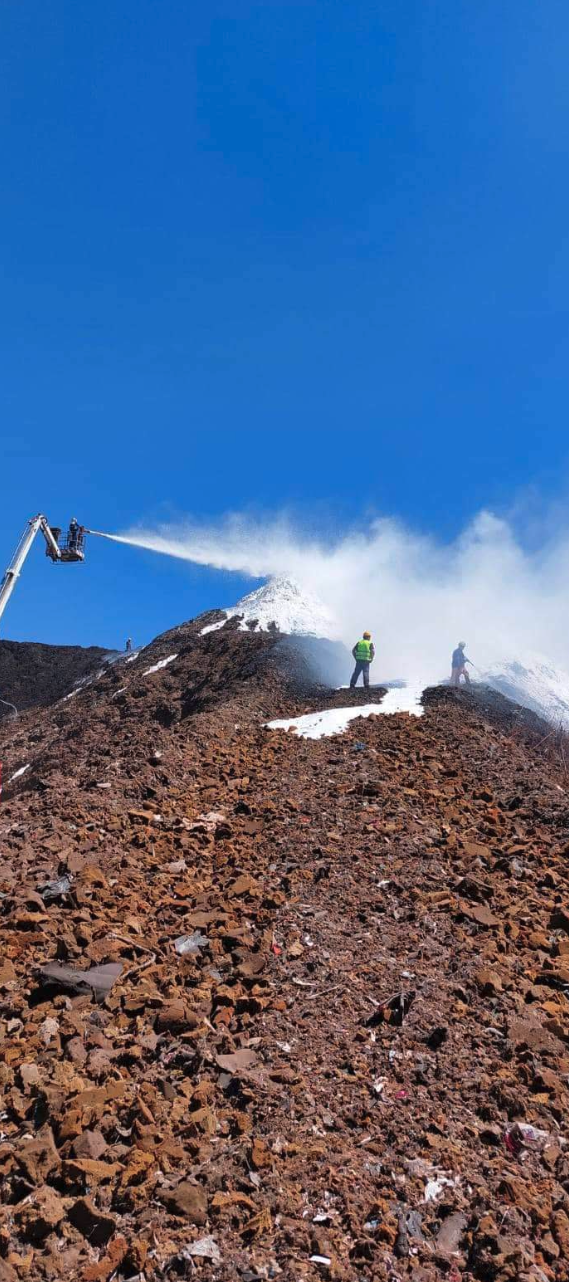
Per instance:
(34,675)
(273,1007)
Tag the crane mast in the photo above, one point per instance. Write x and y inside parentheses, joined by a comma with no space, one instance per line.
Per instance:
(72,549)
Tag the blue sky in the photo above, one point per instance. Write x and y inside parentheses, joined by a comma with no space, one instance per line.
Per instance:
(300,254)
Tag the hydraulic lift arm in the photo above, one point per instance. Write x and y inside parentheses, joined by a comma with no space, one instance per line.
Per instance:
(52,550)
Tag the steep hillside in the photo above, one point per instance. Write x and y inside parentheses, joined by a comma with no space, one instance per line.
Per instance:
(325,1031)
(282,606)
(535,683)
(32,674)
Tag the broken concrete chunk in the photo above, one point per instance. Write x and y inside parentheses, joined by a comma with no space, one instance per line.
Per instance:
(237,1061)
(95,1225)
(106,1268)
(38,1157)
(175,1017)
(188,1200)
(450,1232)
(89,1144)
(84,1172)
(7,972)
(488,982)
(29,1075)
(40,1214)
(479,913)
(244,885)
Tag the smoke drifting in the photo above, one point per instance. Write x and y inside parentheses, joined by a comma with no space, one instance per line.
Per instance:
(417,596)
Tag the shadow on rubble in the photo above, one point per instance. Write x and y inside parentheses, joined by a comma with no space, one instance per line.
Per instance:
(296,667)
(550,743)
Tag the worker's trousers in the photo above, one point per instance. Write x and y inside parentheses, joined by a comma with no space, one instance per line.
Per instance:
(362,665)
(456,674)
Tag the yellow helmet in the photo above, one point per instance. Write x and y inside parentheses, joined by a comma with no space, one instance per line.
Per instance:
(367,636)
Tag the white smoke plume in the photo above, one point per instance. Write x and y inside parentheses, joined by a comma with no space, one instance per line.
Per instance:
(417,596)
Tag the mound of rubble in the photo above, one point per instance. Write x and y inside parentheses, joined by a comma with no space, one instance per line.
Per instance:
(32,674)
(275,1007)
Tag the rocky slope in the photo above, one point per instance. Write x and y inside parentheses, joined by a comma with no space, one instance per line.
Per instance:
(535,683)
(33,675)
(331,1033)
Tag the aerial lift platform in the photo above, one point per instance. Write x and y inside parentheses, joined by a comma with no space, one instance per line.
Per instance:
(60,550)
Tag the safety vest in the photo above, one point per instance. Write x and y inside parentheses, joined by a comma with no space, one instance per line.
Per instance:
(363,651)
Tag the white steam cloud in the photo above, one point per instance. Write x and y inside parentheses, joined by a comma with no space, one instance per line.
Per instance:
(417,596)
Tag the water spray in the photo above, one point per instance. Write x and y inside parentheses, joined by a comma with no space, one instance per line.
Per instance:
(115,538)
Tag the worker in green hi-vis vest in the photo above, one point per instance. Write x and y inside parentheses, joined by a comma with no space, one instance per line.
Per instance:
(364,654)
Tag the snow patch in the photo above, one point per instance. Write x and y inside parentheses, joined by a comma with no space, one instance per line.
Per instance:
(81,685)
(281,605)
(163,663)
(214,627)
(330,721)
(18,774)
(404,698)
(318,725)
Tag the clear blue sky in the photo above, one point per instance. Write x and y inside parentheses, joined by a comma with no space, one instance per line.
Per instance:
(294,252)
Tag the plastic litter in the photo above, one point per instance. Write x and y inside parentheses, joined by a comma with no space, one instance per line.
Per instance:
(205,1248)
(190,943)
(98,980)
(208,821)
(434,1187)
(520,1136)
(413,1224)
(392,1011)
(409,1228)
(56,889)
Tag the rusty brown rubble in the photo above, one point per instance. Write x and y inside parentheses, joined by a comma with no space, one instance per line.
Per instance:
(325,1032)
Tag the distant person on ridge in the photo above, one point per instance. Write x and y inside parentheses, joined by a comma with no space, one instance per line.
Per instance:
(364,654)
(459,661)
(128,645)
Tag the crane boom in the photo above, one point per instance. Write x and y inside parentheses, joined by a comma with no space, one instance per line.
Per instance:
(72,551)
